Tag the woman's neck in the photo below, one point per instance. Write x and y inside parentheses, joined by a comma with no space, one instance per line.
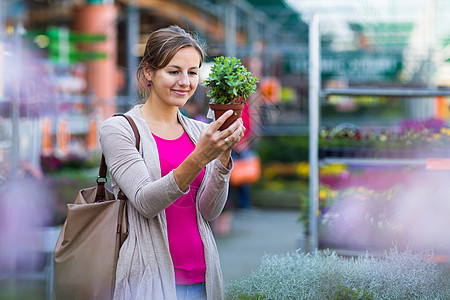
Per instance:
(162,121)
(157,113)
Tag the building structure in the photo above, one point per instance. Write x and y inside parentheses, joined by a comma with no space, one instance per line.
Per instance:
(90,75)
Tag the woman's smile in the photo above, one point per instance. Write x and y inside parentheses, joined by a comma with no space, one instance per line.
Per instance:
(180,92)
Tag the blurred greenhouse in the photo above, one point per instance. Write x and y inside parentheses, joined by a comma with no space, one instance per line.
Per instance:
(351,119)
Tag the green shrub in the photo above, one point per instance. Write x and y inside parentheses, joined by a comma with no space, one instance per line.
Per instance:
(283,149)
(394,275)
(351,294)
(248,297)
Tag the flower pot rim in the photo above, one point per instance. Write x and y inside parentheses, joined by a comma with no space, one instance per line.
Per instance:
(229,106)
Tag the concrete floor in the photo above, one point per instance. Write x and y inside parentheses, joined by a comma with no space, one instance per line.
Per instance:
(254,233)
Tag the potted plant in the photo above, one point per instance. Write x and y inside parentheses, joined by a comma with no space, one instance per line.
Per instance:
(229,84)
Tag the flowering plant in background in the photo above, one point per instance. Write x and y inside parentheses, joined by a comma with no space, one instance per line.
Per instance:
(368,184)
(300,170)
(371,178)
(326,197)
(359,217)
(424,136)
(334,170)
(284,170)
(410,212)
(434,125)
(340,137)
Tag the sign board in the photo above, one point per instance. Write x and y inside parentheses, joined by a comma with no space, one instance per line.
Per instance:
(67,46)
(355,66)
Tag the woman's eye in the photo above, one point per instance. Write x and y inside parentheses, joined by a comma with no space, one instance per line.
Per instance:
(173,72)
(193,73)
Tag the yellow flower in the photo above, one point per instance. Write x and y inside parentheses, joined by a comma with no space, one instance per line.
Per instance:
(333,169)
(445,131)
(322,194)
(361,189)
(269,173)
(303,169)
(436,136)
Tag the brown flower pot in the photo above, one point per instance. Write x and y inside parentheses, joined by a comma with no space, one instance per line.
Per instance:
(220,109)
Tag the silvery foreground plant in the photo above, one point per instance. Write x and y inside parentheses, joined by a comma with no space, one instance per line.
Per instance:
(322,275)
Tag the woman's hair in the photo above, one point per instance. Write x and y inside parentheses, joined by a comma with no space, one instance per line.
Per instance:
(162,45)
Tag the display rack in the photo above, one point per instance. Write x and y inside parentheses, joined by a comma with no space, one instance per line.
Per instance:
(315,95)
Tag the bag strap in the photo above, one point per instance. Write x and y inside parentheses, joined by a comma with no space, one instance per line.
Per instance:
(101,179)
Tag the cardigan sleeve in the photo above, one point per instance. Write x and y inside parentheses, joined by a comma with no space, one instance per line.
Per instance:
(215,195)
(128,169)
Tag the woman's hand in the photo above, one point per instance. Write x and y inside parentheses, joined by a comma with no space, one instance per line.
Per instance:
(232,141)
(213,143)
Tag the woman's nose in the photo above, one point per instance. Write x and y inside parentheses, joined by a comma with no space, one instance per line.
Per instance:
(184,80)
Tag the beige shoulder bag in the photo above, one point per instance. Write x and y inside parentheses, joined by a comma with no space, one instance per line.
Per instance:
(87,248)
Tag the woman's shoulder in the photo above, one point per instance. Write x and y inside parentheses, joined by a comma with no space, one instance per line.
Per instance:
(115,130)
(120,122)
(116,122)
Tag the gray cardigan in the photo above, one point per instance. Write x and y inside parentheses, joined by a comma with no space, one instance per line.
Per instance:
(145,269)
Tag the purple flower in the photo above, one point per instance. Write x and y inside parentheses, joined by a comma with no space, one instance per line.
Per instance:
(432,124)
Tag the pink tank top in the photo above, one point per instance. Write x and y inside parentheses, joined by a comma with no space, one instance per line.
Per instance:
(185,244)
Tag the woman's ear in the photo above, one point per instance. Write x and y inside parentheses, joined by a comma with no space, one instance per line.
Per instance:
(148,74)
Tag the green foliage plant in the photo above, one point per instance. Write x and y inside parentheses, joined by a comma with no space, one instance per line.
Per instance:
(351,294)
(400,275)
(230,82)
(248,297)
(283,149)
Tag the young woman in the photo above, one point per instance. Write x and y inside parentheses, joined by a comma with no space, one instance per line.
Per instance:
(176,183)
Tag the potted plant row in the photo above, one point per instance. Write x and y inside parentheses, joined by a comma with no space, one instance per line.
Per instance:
(408,144)
(230,84)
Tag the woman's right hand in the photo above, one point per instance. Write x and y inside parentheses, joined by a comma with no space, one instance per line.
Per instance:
(212,142)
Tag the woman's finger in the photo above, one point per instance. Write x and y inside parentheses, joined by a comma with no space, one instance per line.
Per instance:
(216,125)
(234,138)
(230,130)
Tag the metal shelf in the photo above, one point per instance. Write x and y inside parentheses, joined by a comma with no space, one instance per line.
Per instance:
(314,99)
(374,161)
(385,92)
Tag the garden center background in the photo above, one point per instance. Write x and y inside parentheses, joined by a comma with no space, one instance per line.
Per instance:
(350,120)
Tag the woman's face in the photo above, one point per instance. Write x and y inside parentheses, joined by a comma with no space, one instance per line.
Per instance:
(174,84)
